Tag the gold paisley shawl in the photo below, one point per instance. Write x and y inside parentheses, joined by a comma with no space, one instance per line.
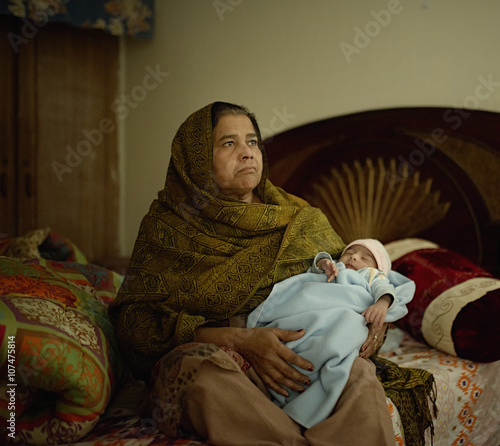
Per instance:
(200,257)
(413,392)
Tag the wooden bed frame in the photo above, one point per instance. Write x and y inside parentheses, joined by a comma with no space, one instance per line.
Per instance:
(431,173)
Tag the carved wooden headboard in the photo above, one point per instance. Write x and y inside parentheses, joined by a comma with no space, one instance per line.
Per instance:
(432,173)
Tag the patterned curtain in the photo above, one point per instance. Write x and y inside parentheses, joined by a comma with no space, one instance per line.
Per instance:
(118,17)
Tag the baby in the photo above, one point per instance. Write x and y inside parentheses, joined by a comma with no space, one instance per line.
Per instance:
(334,317)
(369,258)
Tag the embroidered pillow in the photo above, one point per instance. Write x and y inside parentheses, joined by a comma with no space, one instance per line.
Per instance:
(456,307)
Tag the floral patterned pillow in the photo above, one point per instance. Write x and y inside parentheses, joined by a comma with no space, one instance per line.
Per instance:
(58,350)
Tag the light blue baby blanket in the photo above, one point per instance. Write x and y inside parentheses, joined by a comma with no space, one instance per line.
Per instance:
(335,330)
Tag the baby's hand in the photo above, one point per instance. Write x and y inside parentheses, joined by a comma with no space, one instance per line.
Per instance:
(375,314)
(329,268)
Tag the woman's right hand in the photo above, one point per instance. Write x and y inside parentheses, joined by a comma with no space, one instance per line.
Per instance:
(263,347)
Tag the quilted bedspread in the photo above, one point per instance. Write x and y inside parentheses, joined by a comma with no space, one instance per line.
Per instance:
(59,361)
(59,364)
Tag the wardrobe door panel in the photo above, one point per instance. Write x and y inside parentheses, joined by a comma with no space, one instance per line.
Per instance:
(58,135)
(8,112)
(27,138)
(77,170)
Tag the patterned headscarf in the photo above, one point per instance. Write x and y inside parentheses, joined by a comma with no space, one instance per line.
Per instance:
(200,257)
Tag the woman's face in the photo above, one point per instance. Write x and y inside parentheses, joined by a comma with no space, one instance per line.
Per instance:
(237,159)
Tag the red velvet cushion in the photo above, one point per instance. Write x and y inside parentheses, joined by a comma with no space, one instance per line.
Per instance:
(456,306)
(476,329)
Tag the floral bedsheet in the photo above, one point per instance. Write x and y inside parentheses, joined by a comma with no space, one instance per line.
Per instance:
(468,395)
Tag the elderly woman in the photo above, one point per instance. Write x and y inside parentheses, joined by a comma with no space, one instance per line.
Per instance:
(210,249)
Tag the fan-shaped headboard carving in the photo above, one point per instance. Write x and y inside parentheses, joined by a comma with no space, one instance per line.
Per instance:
(375,200)
(440,170)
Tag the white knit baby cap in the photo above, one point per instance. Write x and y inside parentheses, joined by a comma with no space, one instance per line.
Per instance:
(378,250)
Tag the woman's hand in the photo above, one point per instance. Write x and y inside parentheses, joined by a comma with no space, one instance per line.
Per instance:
(373,341)
(263,347)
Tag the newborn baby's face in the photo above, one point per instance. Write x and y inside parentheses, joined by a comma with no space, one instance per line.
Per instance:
(356,257)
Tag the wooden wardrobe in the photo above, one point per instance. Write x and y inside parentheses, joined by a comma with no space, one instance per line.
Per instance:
(58,134)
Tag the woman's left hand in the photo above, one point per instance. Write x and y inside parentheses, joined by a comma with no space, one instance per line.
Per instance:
(373,341)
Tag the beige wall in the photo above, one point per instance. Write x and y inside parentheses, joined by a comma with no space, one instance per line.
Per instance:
(296,61)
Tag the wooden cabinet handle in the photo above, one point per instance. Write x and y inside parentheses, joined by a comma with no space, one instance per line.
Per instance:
(3,185)
(27,185)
